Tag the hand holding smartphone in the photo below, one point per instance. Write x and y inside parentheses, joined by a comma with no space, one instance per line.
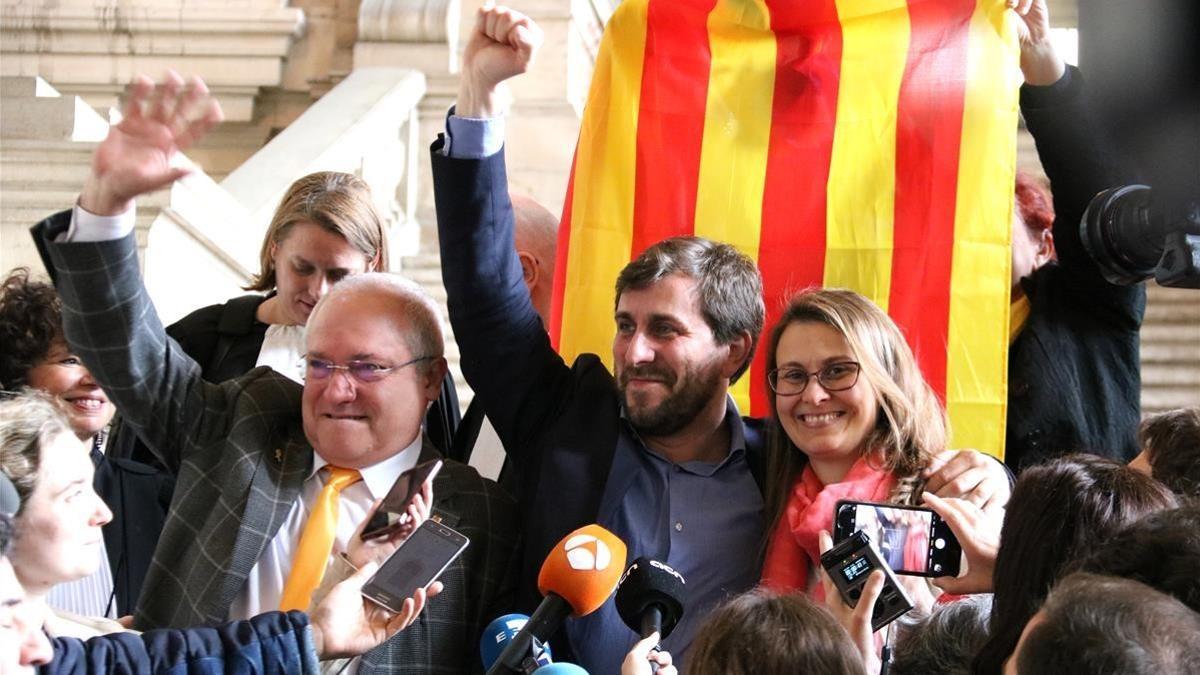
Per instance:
(393,512)
(912,540)
(418,562)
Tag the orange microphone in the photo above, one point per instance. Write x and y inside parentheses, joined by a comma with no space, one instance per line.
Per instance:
(579,575)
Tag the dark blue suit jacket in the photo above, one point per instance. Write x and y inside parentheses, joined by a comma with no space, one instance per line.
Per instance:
(559,424)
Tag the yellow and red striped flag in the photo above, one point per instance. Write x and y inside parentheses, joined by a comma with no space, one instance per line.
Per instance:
(868,144)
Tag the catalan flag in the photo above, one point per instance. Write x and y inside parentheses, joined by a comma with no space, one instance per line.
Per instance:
(867,144)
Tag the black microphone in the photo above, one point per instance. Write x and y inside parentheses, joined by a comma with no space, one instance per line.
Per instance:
(648,598)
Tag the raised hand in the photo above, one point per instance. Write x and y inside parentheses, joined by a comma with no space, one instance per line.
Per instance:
(1040,62)
(503,43)
(346,624)
(135,158)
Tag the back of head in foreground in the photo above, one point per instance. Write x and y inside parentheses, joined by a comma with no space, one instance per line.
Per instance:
(945,641)
(1170,443)
(1161,550)
(761,632)
(1059,512)
(1093,624)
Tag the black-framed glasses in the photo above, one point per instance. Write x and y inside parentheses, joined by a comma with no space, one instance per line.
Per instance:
(362,371)
(838,376)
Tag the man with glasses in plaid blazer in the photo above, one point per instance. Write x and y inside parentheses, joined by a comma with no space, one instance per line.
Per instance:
(267,468)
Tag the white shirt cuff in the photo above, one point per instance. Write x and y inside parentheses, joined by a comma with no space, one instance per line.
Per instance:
(86,226)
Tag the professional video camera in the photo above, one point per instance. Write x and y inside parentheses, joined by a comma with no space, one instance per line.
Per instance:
(1133,233)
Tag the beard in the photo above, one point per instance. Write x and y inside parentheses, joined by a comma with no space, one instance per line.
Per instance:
(687,397)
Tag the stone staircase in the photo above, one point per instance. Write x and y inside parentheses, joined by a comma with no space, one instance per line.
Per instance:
(46,143)
(1170,349)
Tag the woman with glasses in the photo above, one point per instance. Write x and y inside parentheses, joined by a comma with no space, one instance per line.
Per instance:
(852,419)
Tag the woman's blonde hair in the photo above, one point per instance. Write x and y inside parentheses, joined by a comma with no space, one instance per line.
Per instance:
(911,424)
(338,202)
(29,420)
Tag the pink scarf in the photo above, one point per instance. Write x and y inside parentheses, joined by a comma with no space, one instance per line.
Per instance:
(793,550)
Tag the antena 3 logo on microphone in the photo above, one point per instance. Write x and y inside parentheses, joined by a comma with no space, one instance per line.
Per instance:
(585,552)
(584,568)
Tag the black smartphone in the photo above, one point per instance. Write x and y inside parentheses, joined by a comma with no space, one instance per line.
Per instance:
(393,510)
(912,540)
(850,563)
(418,562)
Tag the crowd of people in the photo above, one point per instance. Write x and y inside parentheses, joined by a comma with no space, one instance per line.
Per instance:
(193,497)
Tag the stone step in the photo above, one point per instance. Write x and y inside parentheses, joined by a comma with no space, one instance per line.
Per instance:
(1173,312)
(1158,399)
(1171,333)
(35,150)
(1187,355)
(1170,375)
(24,86)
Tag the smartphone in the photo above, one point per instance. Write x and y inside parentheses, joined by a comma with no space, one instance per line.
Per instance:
(393,510)
(418,562)
(850,563)
(912,540)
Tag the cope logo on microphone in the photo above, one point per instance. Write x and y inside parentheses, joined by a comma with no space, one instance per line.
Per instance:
(587,553)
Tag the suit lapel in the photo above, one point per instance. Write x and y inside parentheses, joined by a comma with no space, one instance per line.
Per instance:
(278,476)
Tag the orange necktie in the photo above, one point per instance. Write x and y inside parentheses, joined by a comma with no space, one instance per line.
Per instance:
(312,554)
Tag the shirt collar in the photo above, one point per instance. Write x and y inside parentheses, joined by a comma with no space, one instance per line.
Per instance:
(380,477)
(737,435)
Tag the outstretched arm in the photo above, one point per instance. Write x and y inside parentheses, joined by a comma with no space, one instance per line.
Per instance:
(107,315)
(1071,145)
(506,354)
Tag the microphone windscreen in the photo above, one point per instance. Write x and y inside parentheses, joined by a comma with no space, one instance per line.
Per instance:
(497,635)
(583,568)
(560,669)
(650,583)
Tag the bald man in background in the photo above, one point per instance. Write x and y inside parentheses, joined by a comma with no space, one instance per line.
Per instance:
(535,237)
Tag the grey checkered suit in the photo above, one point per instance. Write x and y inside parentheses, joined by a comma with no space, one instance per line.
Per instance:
(240,454)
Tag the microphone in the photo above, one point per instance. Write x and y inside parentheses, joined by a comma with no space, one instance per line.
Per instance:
(560,669)
(648,597)
(577,577)
(500,632)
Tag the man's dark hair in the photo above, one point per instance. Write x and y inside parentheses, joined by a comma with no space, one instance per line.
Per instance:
(728,285)
(945,641)
(1096,624)
(1171,441)
(1058,513)
(761,632)
(1161,550)
(30,320)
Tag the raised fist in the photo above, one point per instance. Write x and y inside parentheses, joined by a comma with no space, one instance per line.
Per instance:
(503,43)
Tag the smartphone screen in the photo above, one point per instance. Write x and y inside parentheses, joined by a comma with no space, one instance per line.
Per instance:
(418,562)
(392,511)
(910,540)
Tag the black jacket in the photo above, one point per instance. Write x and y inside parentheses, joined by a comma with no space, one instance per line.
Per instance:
(1074,378)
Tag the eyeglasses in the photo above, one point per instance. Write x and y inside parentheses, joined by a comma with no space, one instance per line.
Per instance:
(363,371)
(838,376)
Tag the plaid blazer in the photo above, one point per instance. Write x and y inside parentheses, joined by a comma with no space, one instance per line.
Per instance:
(240,454)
